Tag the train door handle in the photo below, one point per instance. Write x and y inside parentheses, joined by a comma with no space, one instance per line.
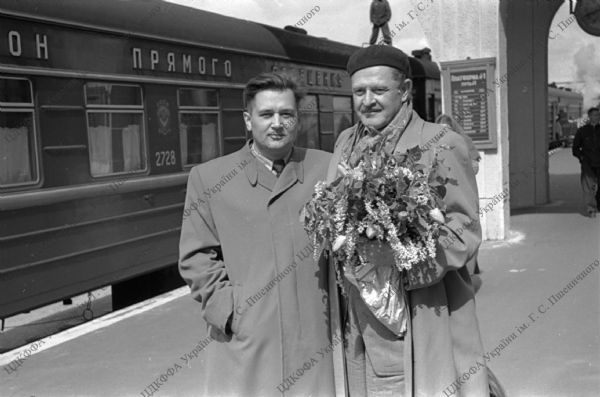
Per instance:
(149,198)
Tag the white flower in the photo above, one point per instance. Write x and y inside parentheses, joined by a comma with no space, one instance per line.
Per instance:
(370,232)
(339,241)
(320,188)
(357,174)
(437,215)
(422,200)
(343,169)
(407,173)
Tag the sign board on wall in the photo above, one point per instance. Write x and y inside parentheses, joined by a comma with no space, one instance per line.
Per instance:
(469,97)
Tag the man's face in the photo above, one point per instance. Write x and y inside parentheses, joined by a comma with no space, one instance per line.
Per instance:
(378,95)
(273,119)
(594,117)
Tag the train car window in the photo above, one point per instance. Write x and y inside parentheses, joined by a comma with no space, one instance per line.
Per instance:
(234,129)
(325,103)
(15,91)
(198,97)
(342,114)
(113,94)
(326,136)
(18,162)
(232,99)
(199,136)
(308,133)
(331,117)
(115,129)
(342,104)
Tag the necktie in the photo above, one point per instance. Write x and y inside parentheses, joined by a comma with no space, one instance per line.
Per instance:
(278,166)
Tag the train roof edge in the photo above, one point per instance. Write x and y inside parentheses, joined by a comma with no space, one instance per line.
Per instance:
(195,26)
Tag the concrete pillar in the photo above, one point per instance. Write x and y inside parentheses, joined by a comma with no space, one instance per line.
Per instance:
(515,34)
(527,25)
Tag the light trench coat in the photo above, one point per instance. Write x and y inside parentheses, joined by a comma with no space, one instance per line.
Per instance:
(443,340)
(245,254)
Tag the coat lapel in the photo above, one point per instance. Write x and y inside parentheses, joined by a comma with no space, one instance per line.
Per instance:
(293,171)
(411,136)
(256,172)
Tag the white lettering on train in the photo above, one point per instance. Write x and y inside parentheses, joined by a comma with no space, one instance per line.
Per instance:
(137,58)
(14,43)
(18,46)
(165,158)
(187,63)
(153,59)
(41,45)
(170,62)
(310,77)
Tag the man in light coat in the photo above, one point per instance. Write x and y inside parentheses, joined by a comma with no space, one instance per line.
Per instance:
(442,343)
(249,262)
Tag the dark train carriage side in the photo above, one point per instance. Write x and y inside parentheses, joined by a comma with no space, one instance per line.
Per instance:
(100,124)
(427,89)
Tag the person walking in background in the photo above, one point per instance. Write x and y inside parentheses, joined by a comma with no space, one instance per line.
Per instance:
(248,260)
(381,14)
(448,121)
(586,147)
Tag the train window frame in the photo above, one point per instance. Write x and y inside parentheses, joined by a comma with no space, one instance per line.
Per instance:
(349,111)
(111,106)
(118,109)
(33,149)
(305,111)
(185,109)
(188,107)
(219,134)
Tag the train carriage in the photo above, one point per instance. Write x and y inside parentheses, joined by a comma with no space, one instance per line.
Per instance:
(104,108)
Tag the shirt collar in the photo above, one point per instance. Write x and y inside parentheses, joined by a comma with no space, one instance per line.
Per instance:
(264,160)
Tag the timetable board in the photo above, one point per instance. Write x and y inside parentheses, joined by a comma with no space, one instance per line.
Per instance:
(469,102)
(469,98)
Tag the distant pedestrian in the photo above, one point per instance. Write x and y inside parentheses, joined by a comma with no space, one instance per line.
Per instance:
(380,16)
(586,147)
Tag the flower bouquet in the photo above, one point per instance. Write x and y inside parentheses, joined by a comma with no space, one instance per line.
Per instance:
(378,219)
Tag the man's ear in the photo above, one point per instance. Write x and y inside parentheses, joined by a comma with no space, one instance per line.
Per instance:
(247,121)
(407,86)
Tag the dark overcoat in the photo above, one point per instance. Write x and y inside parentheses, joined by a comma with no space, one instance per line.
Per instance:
(443,340)
(245,254)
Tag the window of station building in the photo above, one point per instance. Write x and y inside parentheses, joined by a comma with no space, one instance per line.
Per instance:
(18,162)
(198,124)
(308,119)
(115,121)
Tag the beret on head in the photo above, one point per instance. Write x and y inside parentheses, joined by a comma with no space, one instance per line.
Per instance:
(378,55)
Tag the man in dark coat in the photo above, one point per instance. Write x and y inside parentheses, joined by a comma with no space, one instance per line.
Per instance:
(248,260)
(442,342)
(380,16)
(586,147)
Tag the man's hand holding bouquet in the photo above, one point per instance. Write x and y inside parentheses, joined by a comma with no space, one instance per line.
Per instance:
(378,220)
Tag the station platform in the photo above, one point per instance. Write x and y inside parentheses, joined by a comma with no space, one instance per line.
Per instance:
(556,354)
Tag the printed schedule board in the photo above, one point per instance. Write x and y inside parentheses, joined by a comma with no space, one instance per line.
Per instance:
(469,98)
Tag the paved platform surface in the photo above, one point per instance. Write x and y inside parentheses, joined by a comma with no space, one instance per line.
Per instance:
(554,353)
